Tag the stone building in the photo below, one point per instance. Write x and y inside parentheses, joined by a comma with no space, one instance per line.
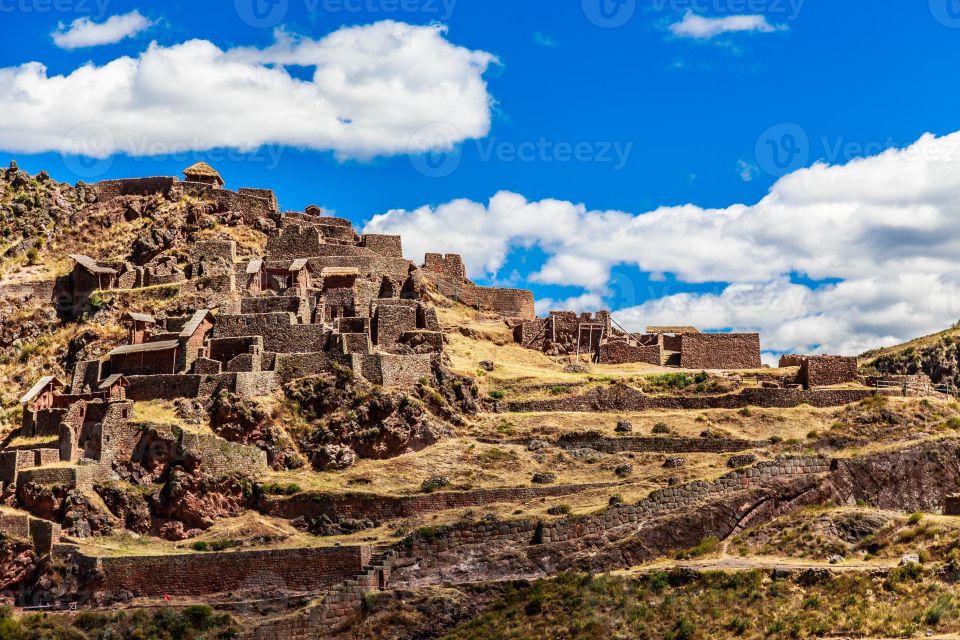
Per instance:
(565,333)
(203,173)
(89,276)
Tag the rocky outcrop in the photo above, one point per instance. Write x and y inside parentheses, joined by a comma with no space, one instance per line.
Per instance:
(917,478)
(187,505)
(128,505)
(74,510)
(249,422)
(940,360)
(373,422)
(19,564)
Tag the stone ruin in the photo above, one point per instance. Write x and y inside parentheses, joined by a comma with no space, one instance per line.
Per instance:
(599,337)
(822,370)
(321,293)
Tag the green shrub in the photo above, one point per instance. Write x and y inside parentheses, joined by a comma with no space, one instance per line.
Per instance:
(280,489)
(661,427)
(97,301)
(707,545)
(434,484)
(498,394)
(200,545)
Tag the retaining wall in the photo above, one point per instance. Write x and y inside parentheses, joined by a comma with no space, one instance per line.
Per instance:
(657,503)
(381,507)
(200,574)
(641,444)
(622,398)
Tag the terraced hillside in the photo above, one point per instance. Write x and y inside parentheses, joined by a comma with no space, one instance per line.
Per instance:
(497,493)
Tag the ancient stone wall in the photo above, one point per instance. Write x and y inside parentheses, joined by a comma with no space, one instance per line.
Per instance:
(28,291)
(296,305)
(250,208)
(264,194)
(382,507)
(11,462)
(389,246)
(85,373)
(392,370)
(658,502)
(663,444)
(824,371)
(110,189)
(290,366)
(226,349)
(220,458)
(622,398)
(255,384)
(42,533)
(391,321)
(70,477)
(295,241)
(142,363)
(720,351)
(296,570)
(280,331)
(790,360)
(449,265)
(509,303)
(622,352)
(170,387)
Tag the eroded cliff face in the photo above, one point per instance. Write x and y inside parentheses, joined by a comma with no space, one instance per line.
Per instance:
(918,478)
(939,360)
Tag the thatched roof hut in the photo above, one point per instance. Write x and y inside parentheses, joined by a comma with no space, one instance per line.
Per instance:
(202,172)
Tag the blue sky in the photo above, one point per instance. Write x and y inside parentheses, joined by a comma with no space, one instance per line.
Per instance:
(616,105)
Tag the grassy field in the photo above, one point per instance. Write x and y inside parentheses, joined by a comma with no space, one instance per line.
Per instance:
(749,604)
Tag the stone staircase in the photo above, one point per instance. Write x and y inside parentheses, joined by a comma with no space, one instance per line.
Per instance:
(670,359)
(335,607)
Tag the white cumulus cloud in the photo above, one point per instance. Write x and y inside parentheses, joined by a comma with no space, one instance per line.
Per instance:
(703,28)
(374,89)
(835,258)
(84,32)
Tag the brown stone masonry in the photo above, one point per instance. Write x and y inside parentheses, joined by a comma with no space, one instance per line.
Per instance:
(720,351)
(199,574)
(381,507)
(824,371)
